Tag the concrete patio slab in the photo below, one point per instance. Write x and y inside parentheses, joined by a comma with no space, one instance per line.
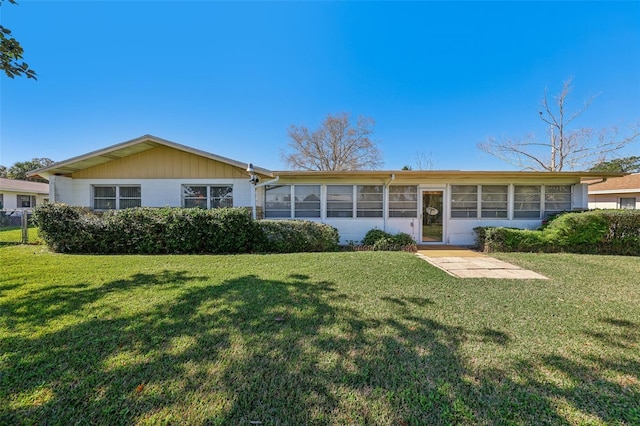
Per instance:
(465,263)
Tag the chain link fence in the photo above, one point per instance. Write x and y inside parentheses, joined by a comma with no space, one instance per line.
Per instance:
(16,226)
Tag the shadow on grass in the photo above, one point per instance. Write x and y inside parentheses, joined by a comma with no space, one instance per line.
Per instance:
(285,352)
(41,306)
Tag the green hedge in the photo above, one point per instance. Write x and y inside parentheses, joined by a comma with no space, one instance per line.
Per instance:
(169,230)
(595,231)
(290,236)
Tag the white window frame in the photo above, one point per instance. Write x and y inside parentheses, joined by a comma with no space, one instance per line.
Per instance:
(546,201)
(306,213)
(485,210)
(212,202)
(351,201)
(540,208)
(468,202)
(397,207)
(19,200)
(631,200)
(268,212)
(117,198)
(369,208)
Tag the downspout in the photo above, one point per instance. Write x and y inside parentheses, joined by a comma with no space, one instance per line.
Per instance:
(386,199)
(271,182)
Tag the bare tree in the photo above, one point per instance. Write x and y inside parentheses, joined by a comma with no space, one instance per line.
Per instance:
(425,161)
(565,148)
(336,145)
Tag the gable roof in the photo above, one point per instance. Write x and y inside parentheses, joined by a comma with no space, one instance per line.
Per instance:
(125,149)
(629,183)
(14,185)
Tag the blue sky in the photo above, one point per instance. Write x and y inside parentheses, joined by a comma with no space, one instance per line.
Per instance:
(231,77)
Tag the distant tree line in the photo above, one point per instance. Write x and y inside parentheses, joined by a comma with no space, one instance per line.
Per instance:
(20,169)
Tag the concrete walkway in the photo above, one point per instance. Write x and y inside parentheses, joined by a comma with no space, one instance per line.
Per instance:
(465,263)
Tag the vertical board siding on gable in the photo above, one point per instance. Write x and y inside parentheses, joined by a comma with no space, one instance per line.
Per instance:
(161,163)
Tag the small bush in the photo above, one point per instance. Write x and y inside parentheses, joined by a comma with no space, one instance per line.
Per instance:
(373,235)
(378,239)
(596,231)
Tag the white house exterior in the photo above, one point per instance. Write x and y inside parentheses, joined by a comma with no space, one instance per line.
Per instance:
(434,207)
(616,193)
(22,194)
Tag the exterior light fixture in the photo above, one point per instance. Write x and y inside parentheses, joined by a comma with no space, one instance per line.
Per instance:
(254,179)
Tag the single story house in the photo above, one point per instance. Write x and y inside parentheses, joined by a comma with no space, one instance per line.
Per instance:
(616,193)
(432,206)
(22,194)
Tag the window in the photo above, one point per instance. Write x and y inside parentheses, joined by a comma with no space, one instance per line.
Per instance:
(1,201)
(26,201)
(369,200)
(277,201)
(307,200)
(403,201)
(207,196)
(628,203)
(129,197)
(495,200)
(557,199)
(339,200)
(526,201)
(116,197)
(464,201)
(221,196)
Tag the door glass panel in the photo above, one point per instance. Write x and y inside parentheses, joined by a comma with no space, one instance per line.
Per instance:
(432,216)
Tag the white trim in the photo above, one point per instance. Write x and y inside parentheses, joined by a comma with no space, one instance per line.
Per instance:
(433,188)
(615,191)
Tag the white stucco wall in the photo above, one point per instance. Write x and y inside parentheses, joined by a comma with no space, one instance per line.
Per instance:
(10,199)
(456,231)
(611,201)
(168,192)
(61,189)
(154,192)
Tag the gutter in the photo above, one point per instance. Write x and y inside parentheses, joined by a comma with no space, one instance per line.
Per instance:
(600,181)
(269,182)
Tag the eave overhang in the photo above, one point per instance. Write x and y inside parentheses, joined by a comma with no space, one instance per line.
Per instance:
(441,174)
(125,149)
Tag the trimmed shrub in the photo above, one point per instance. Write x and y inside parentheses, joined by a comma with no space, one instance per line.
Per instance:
(291,236)
(169,230)
(378,239)
(595,231)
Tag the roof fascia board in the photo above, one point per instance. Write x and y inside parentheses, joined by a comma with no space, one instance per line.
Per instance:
(105,152)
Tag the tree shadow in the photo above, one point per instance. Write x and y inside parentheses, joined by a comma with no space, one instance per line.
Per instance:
(282,352)
(38,307)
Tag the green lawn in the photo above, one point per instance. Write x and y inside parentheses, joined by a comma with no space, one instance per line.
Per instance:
(13,234)
(333,338)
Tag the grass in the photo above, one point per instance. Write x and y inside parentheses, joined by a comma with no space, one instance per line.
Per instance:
(331,338)
(13,234)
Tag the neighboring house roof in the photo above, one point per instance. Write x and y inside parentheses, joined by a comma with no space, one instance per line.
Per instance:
(13,185)
(125,149)
(629,183)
